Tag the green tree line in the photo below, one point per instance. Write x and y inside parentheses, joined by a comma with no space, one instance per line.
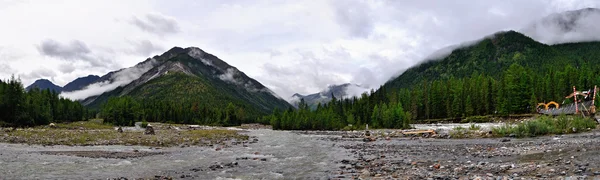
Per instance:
(516,90)
(20,108)
(125,111)
(340,114)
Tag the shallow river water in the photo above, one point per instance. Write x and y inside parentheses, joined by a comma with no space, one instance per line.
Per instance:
(288,156)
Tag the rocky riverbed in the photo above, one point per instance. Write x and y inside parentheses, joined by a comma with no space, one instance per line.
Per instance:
(317,155)
(573,156)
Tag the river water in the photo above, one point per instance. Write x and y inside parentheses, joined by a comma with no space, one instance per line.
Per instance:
(277,155)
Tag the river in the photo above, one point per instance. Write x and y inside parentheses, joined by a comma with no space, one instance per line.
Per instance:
(277,155)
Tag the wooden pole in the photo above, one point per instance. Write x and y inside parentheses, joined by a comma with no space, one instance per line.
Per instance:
(575,97)
(593,109)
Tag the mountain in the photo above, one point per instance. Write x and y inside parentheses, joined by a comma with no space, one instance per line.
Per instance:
(190,75)
(339,91)
(44,84)
(80,83)
(507,73)
(493,55)
(535,46)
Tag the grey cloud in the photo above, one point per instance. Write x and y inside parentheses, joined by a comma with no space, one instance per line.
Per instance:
(157,24)
(66,68)
(364,77)
(73,50)
(310,73)
(353,16)
(572,26)
(39,73)
(145,48)
(6,69)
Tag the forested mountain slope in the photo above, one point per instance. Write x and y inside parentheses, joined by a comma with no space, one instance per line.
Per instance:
(506,73)
(193,79)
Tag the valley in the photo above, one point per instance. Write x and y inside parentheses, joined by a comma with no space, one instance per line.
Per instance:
(516,103)
(313,155)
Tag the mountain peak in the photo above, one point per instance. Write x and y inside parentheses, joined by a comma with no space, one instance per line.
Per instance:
(190,75)
(80,83)
(43,80)
(346,90)
(44,84)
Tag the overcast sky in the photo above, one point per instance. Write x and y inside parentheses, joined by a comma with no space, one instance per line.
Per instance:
(289,46)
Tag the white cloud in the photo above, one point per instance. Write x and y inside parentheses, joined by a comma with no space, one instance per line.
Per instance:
(566,27)
(289,46)
(156,23)
(120,78)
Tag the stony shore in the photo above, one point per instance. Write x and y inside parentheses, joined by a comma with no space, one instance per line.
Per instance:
(555,157)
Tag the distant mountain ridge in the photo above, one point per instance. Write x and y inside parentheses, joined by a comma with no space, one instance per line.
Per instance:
(80,83)
(339,91)
(44,84)
(190,75)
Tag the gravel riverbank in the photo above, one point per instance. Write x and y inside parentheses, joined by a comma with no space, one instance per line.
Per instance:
(575,156)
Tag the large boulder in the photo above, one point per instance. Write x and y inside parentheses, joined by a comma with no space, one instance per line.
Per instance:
(149,130)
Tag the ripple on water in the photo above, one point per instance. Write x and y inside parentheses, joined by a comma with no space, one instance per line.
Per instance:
(276,175)
(225,178)
(124,162)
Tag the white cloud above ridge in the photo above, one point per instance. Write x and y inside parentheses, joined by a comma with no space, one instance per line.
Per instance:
(289,46)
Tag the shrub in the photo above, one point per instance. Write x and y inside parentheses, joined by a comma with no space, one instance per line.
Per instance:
(476,119)
(144,124)
(503,131)
(545,125)
(459,132)
(474,127)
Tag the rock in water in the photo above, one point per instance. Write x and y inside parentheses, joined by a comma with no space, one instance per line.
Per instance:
(120,130)
(149,130)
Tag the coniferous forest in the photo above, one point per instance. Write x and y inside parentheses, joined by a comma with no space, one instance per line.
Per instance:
(506,74)
(125,111)
(36,107)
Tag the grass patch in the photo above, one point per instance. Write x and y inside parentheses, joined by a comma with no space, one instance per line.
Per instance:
(473,131)
(91,124)
(144,124)
(96,133)
(474,127)
(545,125)
(477,119)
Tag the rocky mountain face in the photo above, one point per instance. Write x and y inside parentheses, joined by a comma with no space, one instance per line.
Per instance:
(189,75)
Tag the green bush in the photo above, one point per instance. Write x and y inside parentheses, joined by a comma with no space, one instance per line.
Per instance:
(545,125)
(144,124)
(459,132)
(476,119)
(474,127)
(458,128)
(503,131)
